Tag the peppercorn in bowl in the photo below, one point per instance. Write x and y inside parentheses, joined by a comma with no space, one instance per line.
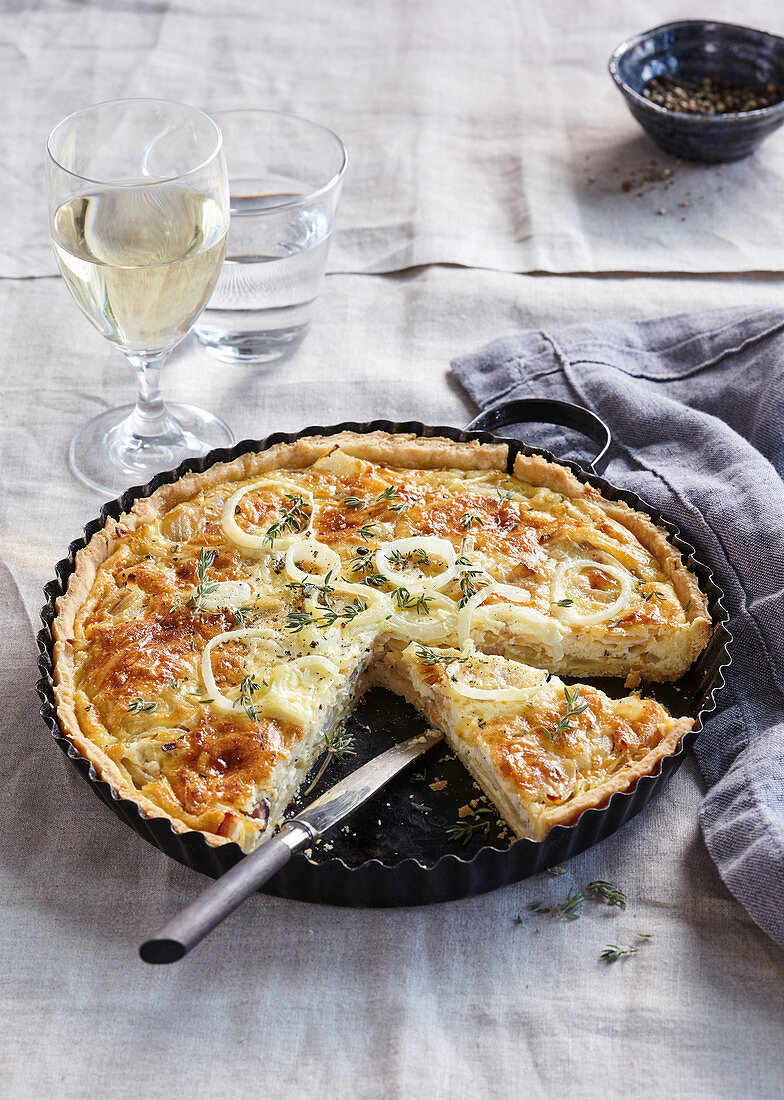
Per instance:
(703,90)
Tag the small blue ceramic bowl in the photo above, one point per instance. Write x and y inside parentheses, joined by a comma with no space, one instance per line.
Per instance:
(693,49)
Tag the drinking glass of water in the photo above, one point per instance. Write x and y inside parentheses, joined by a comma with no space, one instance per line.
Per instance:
(285,175)
(138,216)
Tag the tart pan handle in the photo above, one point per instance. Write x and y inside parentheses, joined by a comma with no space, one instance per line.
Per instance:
(184,931)
(545,410)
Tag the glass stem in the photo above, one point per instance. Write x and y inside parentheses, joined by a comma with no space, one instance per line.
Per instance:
(150,418)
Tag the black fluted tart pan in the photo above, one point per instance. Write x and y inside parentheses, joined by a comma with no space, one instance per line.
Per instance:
(399,849)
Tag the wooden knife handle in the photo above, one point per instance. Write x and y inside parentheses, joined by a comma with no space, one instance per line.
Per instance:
(184,931)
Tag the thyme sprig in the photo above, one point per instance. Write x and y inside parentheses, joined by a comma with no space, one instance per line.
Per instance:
(391,497)
(654,593)
(349,612)
(294,518)
(142,706)
(365,563)
(298,620)
(598,890)
(398,558)
(388,496)
(405,601)
(204,587)
(307,588)
(605,891)
(427,656)
(573,708)
(469,586)
(468,519)
(337,745)
(238,616)
(569,909)
(248,688)
(367,531)
(463,829)
(613,952)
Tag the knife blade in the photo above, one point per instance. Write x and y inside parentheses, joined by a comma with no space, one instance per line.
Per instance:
(193,923)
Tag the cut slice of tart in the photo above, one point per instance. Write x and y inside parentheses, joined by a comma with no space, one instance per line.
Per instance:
(542,750)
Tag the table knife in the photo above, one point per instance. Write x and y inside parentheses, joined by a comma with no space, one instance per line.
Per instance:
(184,931)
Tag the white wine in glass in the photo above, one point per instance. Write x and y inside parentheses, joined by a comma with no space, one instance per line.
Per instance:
(138,204)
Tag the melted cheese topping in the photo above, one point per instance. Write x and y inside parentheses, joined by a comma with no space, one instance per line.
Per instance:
(219,642)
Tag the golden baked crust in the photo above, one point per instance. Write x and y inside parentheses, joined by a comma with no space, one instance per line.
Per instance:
(212,637)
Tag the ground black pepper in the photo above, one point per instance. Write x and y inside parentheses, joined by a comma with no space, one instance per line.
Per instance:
(712,95)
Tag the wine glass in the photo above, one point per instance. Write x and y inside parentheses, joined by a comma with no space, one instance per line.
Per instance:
(138,215)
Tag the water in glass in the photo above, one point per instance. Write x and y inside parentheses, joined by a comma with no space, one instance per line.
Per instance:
(275,260)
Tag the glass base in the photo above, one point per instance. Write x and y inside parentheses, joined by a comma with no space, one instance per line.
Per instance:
(109,457)
(262,336)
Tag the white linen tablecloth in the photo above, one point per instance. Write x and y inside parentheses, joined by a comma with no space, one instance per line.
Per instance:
(481,134)
(285,998)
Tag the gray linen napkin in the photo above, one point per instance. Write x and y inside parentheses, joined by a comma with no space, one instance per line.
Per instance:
(696,407)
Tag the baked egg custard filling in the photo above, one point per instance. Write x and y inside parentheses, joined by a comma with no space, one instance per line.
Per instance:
(214,637)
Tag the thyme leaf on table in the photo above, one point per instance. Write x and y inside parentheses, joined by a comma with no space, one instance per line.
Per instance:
(613,952)
(605,891)
(569,909)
